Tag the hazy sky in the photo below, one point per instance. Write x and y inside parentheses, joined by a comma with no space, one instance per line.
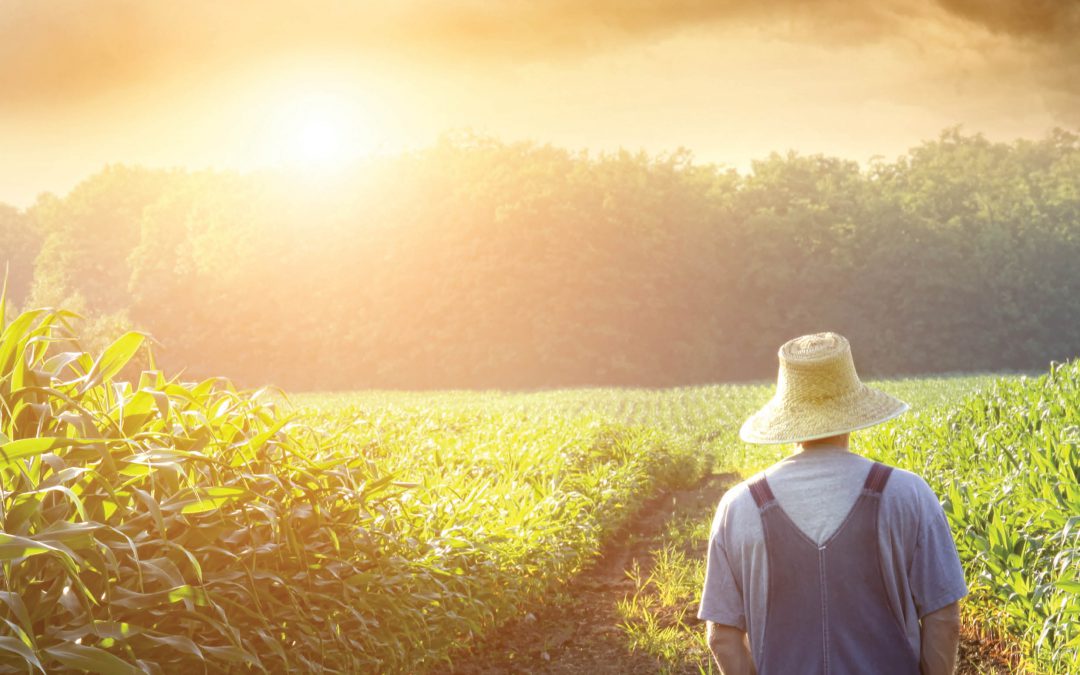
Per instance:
(249,83)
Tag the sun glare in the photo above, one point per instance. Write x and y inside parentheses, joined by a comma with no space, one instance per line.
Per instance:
(312,130)
(318,141)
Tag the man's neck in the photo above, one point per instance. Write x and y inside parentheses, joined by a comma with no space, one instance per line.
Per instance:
(831,444)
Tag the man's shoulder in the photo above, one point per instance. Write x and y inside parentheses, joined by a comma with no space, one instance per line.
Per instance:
(902,485)
(907,495)
(735,500)
(905,491)
(905,483)
(740,492)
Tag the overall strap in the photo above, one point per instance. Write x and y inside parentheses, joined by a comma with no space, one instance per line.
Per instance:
(762,492)
(877,478)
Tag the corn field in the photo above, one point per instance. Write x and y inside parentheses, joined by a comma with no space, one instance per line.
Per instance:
(149,524)
(1006,464)
(154,525)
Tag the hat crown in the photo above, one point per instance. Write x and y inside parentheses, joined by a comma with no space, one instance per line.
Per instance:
(818,395)
(816,368)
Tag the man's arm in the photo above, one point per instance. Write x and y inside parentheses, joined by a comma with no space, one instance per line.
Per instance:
(940,640)
(730,649)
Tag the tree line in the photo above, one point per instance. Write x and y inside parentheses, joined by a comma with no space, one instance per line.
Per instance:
(477,263)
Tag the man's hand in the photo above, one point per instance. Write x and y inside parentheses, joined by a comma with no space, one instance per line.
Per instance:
(730,648)
(940,640)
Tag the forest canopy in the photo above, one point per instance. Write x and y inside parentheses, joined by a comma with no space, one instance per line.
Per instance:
(477,263)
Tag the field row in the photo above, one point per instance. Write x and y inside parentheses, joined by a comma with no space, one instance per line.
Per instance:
(155,526)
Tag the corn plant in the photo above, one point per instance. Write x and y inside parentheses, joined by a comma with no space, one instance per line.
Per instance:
(1006,463)
(151,525)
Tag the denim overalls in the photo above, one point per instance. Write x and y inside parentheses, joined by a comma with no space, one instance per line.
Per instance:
(826,610)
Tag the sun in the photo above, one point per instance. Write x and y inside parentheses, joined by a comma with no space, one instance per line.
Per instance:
(316,131)
(310,129)
(312,116)
(318,140)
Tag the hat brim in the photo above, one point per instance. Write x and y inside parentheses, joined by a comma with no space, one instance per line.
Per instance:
(780,421)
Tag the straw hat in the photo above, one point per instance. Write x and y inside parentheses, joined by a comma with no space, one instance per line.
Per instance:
(818,394)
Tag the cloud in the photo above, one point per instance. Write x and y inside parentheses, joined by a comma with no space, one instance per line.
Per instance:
(73,48)
(1040,34)
(65,51)
(1054,20)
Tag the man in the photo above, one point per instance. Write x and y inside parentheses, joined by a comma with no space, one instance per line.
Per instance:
(827,562)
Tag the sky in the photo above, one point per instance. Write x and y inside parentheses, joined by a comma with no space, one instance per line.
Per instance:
(248,84)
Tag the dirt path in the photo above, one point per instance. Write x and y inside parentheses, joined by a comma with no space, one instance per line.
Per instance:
(577,631)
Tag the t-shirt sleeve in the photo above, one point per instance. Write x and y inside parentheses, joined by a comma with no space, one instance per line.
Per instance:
(721,598)
(936,576)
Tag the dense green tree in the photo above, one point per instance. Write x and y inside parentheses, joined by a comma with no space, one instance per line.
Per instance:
(477,263)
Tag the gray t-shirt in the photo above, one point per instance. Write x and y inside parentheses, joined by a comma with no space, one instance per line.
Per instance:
(817,489)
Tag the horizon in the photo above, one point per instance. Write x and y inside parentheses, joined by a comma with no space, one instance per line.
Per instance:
(353,165)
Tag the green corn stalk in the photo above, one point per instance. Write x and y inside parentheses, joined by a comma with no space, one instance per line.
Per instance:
(149,524)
